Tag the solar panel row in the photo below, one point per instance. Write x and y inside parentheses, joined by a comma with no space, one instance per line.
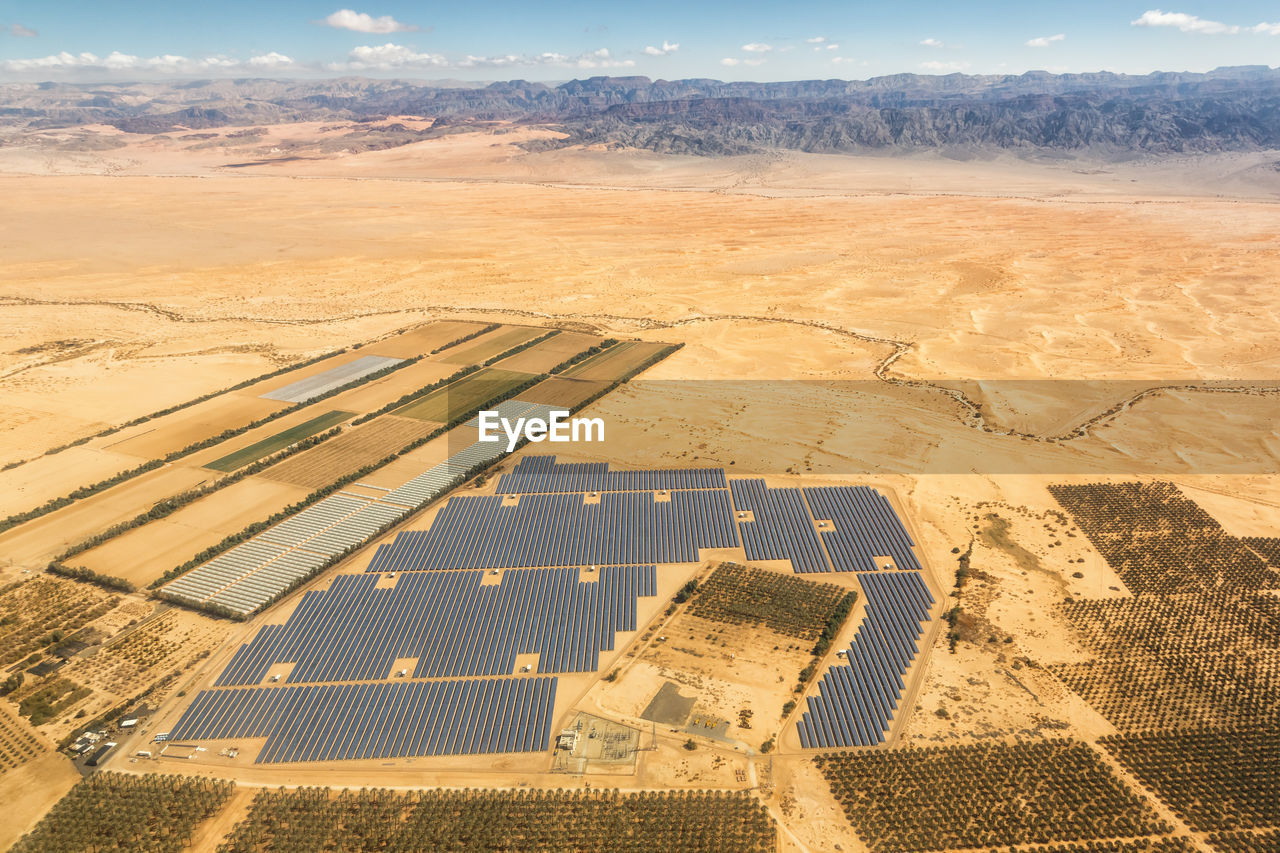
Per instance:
(480,532)
(782,528)
(450,622)
(255,572)
(864,526)
(385,720)
(856,701)
(543,474)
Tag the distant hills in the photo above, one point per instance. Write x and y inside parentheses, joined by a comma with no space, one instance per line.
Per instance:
(1228,109)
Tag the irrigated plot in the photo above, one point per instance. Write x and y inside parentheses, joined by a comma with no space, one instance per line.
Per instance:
(615,362)
(1214,779)
(563,393)
(18,744)
(445,404)
(422,340)
(985,795)
(348,452)
(170,433)
(546,355)
(786,604)
(527,819)
(279,441)
(488,345)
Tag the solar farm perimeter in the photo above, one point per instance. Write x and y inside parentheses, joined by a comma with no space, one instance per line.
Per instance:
(461,638)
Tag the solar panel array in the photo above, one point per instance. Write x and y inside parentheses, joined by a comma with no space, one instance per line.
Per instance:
(450,622)
(781,529)
(856,701)
(331,379)
(864,526)
(544,474)
(389,719)
(481,532)
(460,630)
(255,572)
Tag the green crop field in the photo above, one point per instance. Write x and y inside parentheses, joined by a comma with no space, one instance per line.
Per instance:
(445,404)
(279,441)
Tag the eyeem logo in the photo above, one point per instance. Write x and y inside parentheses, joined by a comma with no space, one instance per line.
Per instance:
(558,427)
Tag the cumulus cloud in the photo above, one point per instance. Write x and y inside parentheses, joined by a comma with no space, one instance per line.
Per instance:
(1186,23)
(22,32)
(733,60)
(935,65)
(163,64)
(931,42)
(757,47)
(1045,41)
(667,47)
(390,57)
(1266,29)
(817,40)
(360,22)
(385,57)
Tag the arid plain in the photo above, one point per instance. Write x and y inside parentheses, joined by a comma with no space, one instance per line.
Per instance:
(826,304)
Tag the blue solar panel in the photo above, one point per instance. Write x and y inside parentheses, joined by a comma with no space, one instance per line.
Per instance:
(781,529)
(391,719)
(451,622)
(564,530)
(544,474)
(864,526)
(856,701)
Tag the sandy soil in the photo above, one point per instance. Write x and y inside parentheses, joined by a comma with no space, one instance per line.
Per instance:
(837,270)
(31,790)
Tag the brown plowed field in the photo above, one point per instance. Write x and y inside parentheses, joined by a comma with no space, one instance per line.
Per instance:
(613,362)
(557,391)
(352,450)
(489,345)
(549,353)
(422,340)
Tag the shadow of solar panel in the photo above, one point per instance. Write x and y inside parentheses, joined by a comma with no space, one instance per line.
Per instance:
(452,624)
(386,720)
(856,701)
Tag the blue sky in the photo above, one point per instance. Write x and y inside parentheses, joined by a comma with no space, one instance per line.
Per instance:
(88,40)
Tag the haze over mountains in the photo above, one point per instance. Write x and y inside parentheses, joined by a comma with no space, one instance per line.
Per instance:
(1228,109)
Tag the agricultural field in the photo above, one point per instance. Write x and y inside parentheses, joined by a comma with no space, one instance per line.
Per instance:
(18,744)
(608,821)
(490,344)
(423,339)
(547,354)
(1263,841)
(564,393)
(164,435)
(145,553)
(39,613)
(444,404)
(279,441)
(115,811)
(1214,779)
(614,362)
(355,448)
(791,606)
(1160,541)
(1189,659)
(1168,844)
(168,642)
(985,795)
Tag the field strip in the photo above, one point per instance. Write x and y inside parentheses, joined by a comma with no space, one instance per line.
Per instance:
(279,441)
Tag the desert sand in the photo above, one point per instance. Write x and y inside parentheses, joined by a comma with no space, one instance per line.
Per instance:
(149,274)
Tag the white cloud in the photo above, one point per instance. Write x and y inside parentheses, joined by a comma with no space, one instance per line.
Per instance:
(833,47)
(387,56)
(1045,41)
(22,32)
(667,47)
(164,64)
(931,42)
(757,47)
(935,65)
(731,61)
(270,60)
(348,19)
(817,40)
(1186,23)
(1266,29)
